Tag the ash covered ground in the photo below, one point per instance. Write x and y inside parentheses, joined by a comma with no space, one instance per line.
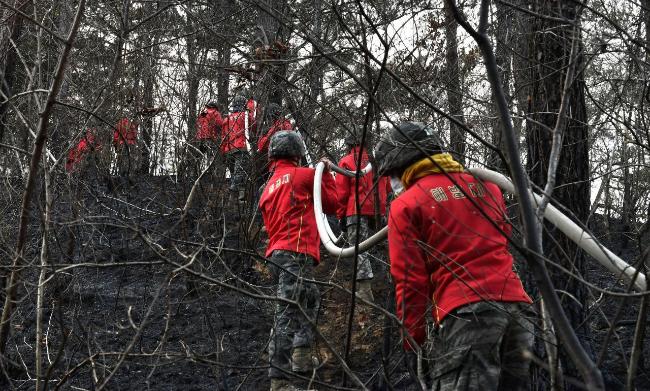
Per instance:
(142,302)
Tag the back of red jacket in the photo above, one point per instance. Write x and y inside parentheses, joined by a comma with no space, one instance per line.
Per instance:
(346,188)
(287,206)
(278,125)
(233,130)
(208,124)
(126,132)
(445,248)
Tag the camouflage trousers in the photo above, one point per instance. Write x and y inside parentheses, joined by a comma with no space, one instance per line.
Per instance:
(291,328)
(364,268)
(237,163)
(483,347)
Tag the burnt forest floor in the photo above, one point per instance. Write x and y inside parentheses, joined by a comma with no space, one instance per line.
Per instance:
(141,302)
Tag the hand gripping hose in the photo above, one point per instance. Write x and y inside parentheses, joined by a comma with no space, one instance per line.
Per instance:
(574,232)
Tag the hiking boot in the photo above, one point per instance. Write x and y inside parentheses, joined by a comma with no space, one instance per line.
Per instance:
(302,360)
(364,290)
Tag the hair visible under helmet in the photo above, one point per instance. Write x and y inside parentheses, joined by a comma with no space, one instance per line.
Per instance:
(286,145)
(395,152)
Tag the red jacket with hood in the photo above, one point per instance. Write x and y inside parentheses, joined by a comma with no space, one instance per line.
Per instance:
(287,206)
(346,188)
(278,125)
(208,125)
(443,249)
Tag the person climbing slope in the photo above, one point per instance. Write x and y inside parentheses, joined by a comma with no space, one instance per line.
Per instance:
(236,128)
(287,207)
(448,248)
(357,222)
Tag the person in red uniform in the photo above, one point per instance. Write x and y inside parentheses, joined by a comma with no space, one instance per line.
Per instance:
(125,139)
(235,131)
(448,247)
(357,222)
(76,155)
(208,125)
(287,207)
(278,123)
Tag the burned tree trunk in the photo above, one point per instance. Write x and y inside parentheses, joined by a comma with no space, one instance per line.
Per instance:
(552,56)
(454,95)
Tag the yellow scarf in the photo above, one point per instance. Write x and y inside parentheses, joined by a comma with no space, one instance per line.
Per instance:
(433,164)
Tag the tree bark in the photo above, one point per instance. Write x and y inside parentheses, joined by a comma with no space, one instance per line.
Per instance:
(551,54)
(453,85)
(503,53)
(8,75)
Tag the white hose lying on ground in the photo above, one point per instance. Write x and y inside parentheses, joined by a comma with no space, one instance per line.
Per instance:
(574,232)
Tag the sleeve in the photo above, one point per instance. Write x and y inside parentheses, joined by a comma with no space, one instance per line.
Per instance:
(328,192)
(410,273)
(263,142)
(342,191)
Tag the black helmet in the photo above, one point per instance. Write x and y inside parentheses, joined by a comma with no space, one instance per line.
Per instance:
(239,103)
(394,152)
(286,144)
(273,111)
(212,104)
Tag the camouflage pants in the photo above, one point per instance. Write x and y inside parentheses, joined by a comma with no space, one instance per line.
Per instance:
(291,328)
(364,268)
(237,162)
(482,348)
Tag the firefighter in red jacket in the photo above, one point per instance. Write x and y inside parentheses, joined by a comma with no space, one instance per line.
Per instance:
(448,247)
(77,155)
(208,125)
(278,122)
(287,207)
(235,131)
(125,139)
(357,222)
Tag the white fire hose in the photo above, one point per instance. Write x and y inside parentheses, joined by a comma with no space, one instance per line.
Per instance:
(574,232)
(330,234)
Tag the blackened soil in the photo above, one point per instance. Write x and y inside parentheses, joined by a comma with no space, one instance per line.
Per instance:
(138,301)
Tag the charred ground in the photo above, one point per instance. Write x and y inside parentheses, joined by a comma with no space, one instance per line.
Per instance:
(141,301)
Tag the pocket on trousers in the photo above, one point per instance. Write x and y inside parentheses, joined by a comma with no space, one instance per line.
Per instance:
(451,362)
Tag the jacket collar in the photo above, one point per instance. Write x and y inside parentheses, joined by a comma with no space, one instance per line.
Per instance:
(282,163)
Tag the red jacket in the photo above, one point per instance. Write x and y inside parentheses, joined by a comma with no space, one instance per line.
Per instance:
(287,207)
(443,249)
(346,188)
(278,125)
(208,125)
(233,130)
(78,153)
(126,131)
